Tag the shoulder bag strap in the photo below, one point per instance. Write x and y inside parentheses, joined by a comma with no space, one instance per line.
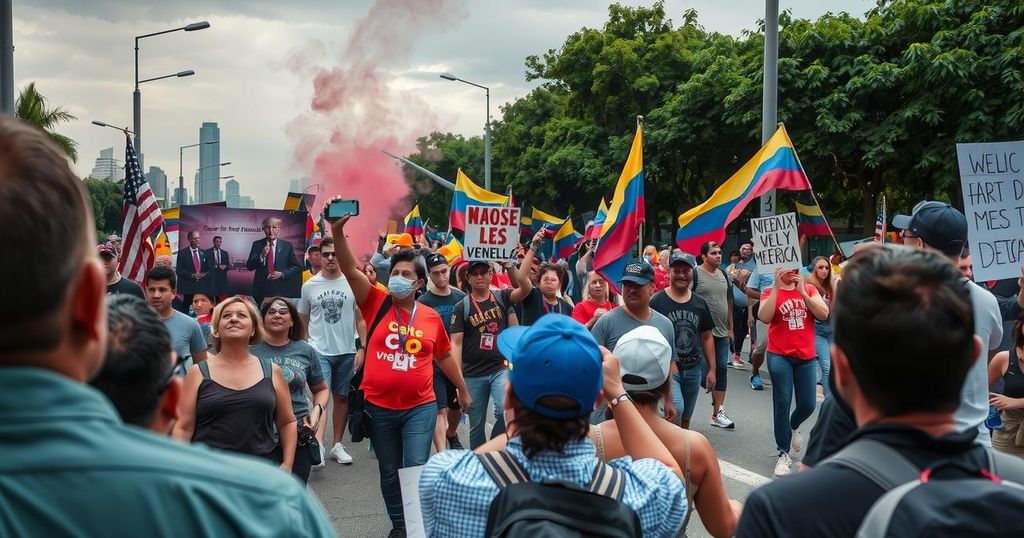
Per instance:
(607,481)
(877,462)
(503,469)
(204,369)
(381,312)
(268,371)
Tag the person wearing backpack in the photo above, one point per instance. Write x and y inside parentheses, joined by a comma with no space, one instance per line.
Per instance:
(901,314)
(552,483)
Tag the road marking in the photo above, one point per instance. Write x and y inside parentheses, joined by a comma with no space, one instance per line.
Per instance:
(740,474)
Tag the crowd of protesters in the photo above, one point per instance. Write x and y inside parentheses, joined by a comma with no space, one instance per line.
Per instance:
(590,385)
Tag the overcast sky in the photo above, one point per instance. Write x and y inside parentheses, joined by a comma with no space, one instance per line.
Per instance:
(80,55)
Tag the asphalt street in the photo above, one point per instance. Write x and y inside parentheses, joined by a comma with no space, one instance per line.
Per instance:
(351,493)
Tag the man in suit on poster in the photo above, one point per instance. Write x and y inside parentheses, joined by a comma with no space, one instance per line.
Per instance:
(191,269)
(218,263)
(276,269)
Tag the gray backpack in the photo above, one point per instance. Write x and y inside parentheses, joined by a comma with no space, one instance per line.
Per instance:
(976,502)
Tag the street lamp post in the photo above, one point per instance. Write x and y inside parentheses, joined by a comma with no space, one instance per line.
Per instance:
(770,89)
(137,96)
(487,126)
(181,177)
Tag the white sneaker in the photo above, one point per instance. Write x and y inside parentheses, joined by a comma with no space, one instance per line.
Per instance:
(798,442)
(323,460)
(720,420)
(339,454)
(784,466)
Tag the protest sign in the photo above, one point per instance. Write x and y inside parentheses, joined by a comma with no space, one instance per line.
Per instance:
(492,233)
(992,179)
(775,242)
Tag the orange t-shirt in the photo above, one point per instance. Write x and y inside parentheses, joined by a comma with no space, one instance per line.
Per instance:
(401,379)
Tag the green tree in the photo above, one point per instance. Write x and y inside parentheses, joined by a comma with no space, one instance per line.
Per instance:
(106,197)
(32,108)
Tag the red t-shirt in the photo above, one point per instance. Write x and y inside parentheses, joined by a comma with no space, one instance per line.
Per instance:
(394,380)
(660,278)
(583,312)
(791,331)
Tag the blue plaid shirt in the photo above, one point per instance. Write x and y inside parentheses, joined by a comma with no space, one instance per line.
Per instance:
(456,491)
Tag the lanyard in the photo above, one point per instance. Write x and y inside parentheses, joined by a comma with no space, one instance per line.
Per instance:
(408,328)
(476,306)
(548,307)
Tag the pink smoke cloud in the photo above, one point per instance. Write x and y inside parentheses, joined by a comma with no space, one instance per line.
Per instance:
(355,112)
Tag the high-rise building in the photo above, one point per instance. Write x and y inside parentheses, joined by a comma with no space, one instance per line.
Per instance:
(293,186)
(107,167)
(158,182)
(208,176)
(180,196)
(231,193)
(246,202)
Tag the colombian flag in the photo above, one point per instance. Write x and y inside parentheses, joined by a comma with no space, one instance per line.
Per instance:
(301,201)
(566,240)
(541,220)
(621,228)
(413,222)
(812,221)
(170,233)
(774,166)
(594,230)
(469,193)
(452,251)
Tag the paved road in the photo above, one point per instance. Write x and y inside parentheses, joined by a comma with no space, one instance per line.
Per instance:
(351,493)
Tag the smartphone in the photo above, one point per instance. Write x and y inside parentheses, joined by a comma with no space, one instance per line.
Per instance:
(342,208)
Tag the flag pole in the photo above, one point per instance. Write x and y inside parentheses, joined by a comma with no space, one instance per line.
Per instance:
(640,236)
(815,198)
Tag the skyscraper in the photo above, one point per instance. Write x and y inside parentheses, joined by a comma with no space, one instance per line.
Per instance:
(107,167)
(231,193)
(246,202)
(293,186)
(158,182)
(207,182)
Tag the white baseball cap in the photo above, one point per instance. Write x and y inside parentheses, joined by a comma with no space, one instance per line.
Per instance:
(644,358)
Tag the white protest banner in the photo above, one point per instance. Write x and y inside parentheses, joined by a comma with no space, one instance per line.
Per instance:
(492,233)
(775,242)
(992,179)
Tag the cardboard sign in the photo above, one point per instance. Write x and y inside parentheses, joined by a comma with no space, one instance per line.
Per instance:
(775,242)
(992,179)
(492,233)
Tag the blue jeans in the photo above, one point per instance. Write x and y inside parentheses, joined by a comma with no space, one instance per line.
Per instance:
(822,346)
(400,439)
(687,381)
(791,376)
(480,389)
(722,355)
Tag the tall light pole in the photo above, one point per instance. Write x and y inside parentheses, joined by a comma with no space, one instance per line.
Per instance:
(770,92)
(6,57)
(487,127)
(137,96)
(180,193)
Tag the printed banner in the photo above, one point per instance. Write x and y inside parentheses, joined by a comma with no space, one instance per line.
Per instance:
(492,233)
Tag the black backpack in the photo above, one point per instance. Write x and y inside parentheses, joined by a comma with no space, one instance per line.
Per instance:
(556,508)
(974,502)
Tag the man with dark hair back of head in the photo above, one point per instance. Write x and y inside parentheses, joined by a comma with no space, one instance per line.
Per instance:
(50,346)
(548,403)
(138,374)
(888,292)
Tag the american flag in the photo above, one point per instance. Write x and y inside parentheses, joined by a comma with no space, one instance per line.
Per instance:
(880,221)
(142,219)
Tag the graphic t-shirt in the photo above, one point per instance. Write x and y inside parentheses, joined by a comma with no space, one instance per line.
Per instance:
(480,355)
(300,366)
(714,289)
(689,320)
(791,331)
(398,373)
(331,308)
(443,305)
(583,312)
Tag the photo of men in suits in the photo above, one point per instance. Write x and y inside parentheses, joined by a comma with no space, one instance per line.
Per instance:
(191,268)
(218,264)
(276,270)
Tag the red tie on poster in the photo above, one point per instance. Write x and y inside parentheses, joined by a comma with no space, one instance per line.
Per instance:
(270,259)
(195,260)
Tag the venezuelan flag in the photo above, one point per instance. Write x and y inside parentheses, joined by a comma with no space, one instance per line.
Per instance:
(566,240)
(452,251)
(541,220)
(525,225)
(413,222)
(594,230)
(469,193)
(172,216)
(621,228)
(811,221)
(774,166)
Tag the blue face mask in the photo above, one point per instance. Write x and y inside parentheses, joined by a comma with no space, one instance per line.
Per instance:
(400,286)
(647,258)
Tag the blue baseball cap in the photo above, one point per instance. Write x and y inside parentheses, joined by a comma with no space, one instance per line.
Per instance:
(557,356)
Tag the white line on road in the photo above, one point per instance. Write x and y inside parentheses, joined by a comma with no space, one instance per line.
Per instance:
(740,474)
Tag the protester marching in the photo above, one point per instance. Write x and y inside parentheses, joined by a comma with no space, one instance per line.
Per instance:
(348,366)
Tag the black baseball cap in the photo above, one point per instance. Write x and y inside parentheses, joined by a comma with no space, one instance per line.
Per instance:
(638,272)
(682,257)
(938,224)
(476,264)
(434,259)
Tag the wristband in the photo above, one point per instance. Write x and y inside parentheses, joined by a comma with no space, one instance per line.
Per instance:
(614,402)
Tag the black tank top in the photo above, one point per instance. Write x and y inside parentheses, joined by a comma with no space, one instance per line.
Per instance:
(1013,379)
(236,420)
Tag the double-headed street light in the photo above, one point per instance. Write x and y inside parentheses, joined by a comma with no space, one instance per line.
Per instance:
(181,178)
(137,96)
(487,126)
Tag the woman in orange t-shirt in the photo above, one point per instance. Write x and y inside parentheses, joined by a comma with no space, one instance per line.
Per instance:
(401,350)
